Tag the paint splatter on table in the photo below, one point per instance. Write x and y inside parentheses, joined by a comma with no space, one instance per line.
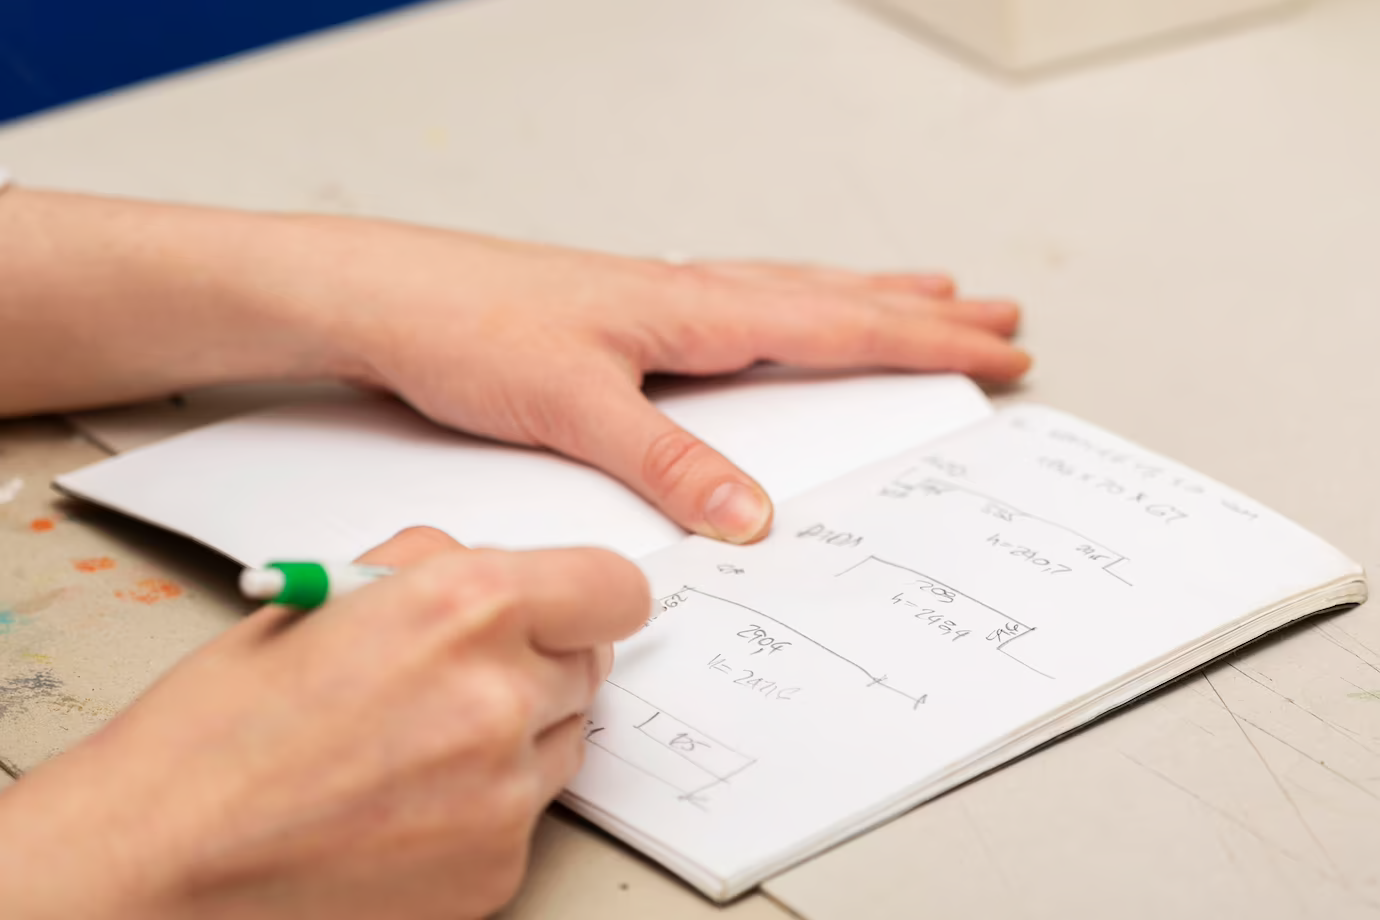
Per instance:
(92,607)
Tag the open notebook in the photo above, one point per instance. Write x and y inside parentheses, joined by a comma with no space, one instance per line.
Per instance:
(909,624)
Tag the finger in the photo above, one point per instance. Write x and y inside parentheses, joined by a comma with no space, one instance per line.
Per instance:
(726,325)
(924,285)
(922,344)
(576,599)
(603,661)
(406,548)
(695,485)
(551,601)
(411,546)
(560,752)
(999,316)
(561,685)
(922,295)
(932,285)
(929,285)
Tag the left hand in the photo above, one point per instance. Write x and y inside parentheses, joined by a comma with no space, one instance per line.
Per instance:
(545,346)
(106,301)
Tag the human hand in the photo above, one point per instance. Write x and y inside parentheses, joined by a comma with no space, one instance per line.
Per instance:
(532,344)
(386,755)
(546,346)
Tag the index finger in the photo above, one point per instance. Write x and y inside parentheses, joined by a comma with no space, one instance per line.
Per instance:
(495,602)
(575,599)
(559,600)
(721,324)
(408,547)
(411,546)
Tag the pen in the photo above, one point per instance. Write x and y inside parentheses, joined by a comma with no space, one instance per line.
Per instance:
(306,584)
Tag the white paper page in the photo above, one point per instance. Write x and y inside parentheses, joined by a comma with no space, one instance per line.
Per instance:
(335,477)
(905,619)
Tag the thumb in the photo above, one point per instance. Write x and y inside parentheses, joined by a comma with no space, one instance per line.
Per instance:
(615,428)
(411,546)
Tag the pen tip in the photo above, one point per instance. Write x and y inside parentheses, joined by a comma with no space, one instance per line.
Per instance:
(262,584)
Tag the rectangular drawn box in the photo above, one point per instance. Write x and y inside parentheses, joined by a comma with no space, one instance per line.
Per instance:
(716,759)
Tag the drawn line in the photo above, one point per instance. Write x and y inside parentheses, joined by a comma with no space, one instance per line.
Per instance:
(1022,663)
(958,488)
(1002,645)
(848,661)
(1001,648)
(1108,569)
(722,780)
(692,799)
(659,710)
(684,756)
(641,769)
(940,584)
(683,794)
(855,565)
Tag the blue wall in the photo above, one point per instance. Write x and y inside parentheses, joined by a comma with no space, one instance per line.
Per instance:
(55,51)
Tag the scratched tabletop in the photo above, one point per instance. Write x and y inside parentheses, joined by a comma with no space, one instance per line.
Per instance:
(1192,230)
(92,607)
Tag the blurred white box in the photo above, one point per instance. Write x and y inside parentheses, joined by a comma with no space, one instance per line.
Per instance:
(1024,34)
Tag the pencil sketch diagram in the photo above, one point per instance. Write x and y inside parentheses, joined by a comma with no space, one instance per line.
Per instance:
(822,662)
(761,662)
(958,617)
(689,762)
(877,638)
(1044,545)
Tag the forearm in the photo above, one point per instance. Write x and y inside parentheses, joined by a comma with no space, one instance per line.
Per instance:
(105,301)
(65,859)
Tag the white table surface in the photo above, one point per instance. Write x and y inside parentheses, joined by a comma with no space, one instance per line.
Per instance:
(1195,233)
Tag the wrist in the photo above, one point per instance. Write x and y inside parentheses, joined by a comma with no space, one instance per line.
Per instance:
(298,284)
(53,866)
(279,280)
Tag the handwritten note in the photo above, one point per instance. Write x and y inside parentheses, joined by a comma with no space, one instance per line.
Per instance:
(915,622)
(911,622)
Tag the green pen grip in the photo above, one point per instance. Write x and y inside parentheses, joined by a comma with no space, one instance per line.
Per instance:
(305,584)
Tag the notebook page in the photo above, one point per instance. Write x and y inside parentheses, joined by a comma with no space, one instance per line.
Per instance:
(332,478)
(905,619)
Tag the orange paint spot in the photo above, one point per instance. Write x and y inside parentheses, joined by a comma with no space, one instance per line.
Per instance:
(151,591)
(95,564)
(42,525)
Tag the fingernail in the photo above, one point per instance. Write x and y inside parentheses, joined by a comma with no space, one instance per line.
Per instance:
(997,310)
(736,513)
(1017,366)
(937,285)
(1026,360)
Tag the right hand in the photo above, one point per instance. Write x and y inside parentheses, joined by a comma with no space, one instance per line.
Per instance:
(387,755)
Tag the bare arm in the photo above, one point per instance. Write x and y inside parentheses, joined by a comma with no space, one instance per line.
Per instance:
(105,301)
